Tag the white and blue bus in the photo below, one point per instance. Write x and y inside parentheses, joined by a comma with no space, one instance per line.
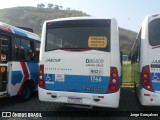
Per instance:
(19,58)
(80,62)
(145,58)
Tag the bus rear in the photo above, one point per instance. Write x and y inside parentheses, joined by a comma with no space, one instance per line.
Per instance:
(76,62)
(150,80)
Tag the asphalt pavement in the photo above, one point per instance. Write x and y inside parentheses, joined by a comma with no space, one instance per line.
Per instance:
(129,108)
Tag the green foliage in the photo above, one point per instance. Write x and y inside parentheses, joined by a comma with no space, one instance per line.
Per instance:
(35,17)
(127,38)
(126,73)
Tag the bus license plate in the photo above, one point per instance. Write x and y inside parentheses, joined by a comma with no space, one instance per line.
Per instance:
(75,100)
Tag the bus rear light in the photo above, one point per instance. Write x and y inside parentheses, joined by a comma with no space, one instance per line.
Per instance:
(41,81)
(146,79)
(114,80)
(145,75)
(146,94)
(100,96)
(49,93)
(3,69)
(114,75)
(149,87)
(41,71)
(40,77)
(113,88)
(96,97)
(114,83)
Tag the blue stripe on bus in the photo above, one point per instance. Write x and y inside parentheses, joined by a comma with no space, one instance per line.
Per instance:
(16,77)
(77,83)
(156,86)
(34,71)
(20,33)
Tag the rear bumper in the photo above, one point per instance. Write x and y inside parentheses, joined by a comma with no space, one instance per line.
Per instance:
(109,100)
(148,98)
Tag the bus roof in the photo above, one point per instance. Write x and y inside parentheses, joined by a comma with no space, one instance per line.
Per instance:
(15,30)
(78,18)
(154,15)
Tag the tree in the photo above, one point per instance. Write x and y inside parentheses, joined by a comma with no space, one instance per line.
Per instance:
(56,7)
(50,5)
(61,7)
(40,5)
(68,9)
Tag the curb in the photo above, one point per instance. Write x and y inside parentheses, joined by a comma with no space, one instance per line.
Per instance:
(127,84)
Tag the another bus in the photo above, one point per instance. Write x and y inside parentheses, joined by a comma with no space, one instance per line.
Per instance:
(19,58)
(145,59)
(80,62)
(125,58)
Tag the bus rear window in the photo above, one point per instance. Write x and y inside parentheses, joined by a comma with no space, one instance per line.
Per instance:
(154,32)
(78,36)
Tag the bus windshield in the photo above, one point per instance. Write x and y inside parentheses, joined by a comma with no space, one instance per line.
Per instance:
(95,37)
(154,36)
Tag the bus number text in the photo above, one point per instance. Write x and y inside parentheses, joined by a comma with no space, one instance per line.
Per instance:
(96,79)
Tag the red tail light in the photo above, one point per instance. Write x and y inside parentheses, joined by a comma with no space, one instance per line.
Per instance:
(114,82)
(41,81)
(146,79)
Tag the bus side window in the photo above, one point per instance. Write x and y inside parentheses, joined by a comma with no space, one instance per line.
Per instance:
(25,43)
(25,50)
(18,50)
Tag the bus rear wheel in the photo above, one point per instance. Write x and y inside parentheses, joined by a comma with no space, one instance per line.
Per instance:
(26,92)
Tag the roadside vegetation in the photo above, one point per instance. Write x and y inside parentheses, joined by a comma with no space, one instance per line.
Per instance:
(126,75)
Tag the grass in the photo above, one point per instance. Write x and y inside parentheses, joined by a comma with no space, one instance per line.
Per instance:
(126,73)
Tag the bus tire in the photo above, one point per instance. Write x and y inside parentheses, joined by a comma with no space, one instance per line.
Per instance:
(26,92)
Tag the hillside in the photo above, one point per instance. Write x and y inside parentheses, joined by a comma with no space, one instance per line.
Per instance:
(127,38)
(34,17)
